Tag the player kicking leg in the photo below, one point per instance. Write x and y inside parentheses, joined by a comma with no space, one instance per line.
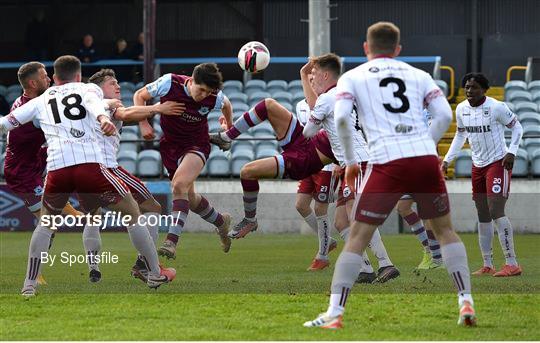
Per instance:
(432,252)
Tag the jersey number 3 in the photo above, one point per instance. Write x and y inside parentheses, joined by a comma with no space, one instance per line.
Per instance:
(71,102)
(399,93)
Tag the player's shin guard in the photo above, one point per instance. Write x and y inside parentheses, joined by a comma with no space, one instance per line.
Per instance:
(346,272)
(506,239)
(39,244)
(377,246)
(251,192)
(455,259)
(141,240)
(485,240)
(92,245)
(323,231)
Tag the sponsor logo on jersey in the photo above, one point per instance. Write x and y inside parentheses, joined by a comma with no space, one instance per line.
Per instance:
(402,128)
(374,69)
(466,114)
(38,191)
(204,110)
(76,133)
(478,129)
(496,188)
(9,203)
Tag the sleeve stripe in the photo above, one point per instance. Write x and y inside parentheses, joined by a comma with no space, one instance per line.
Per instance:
(432,95)
(344,96)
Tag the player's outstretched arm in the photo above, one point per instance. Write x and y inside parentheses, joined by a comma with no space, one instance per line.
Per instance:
(140,98)
(138,113)
(19,116)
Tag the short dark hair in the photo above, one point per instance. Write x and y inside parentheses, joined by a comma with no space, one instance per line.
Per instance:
(383,37)
(66,67)
(480,78)
(27,71)
(208,74)
(330,62)
(99,77)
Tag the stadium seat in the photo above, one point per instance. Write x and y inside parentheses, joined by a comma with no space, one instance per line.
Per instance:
(238,97)
(533,86)
(443,86)
(158,131)
(519,96)
(149,163)
(255,97)
(239,159)
(521,164)
(463,164)
(3,90)
(127,86)
(233,85)
(515,85)
(266,144)
(275,86)
(128,101)
(264,153)
(11,97)
(535,96)
(131,129)
(283,97)
(295,86)
(126,94)
(242,145)
(263,130)
(218,164)
(525,106)
(131,146)
(128,160)
(253,86)
(243,107)
(213,115)
(530,130)
(16,88)
(531,145)
(297,97)
(535,163)
(2,159)
(139,85)
(214,126)
(237,114)
(529,118)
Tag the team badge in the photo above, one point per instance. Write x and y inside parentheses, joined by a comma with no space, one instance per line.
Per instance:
(486,112)
(496,189)
(204,110)
(346,191)
(322,197)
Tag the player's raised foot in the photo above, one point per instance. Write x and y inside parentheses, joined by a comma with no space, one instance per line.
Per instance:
(364,277)
(94,276)
(28,291)
(241,229)
(467,317)
(139,270)
(485,270)
(333,245)
(223,232)
(217,139)
(318,264)
(426,259)
(325,321)
(166,275)
(41,280)
(387,273)
(508,270)
(167,249)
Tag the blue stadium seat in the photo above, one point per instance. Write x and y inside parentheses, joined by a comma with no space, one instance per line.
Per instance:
(261,145)
(255,97)
(127,86)
(443,86)
(515,85)
(531,145)
(11,97)
(213,115)
(534,86)
(239,159)
(463,163)
(131,146)
(131,129)
(240,106)
(529,118)
(237,114)
(519,96)
(266,152)
(233,85)
(253,86)
(3,90)
(536,99)
(521,164)
(263,130)
(214,126)
(139,85)
(149,163)
(531,130)
(535,163)
(218,164)
(525,106)
(275,86)
(295,86)
(158,131)
(243,145)
(2,159)
(16,88)
(128,160)
(297,96)
(283,97)
(238,97)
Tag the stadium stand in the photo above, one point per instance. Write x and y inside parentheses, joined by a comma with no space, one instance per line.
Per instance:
(2,159)
(218,164)
(128,160)
(149,163)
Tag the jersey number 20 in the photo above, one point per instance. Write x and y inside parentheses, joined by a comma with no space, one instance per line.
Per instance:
(69,106)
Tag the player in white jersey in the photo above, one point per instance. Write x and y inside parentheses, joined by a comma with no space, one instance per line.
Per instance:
(319,187)
(324,71)
(148,206)
(67,114)
(481,120)
(390,96)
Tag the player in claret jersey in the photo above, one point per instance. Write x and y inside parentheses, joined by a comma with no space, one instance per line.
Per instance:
(390,97)
(482,120)
(185,147)
(67,114)
(106,80)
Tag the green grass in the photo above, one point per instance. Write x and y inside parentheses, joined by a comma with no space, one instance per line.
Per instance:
(259,291)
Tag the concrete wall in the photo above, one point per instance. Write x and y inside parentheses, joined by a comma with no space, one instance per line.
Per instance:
(276,211)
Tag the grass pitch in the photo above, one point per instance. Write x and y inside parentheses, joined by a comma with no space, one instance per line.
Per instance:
(259,291)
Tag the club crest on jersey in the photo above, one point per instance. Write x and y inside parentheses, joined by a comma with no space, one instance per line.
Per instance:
(486,112)
(38,191)
(204,110)
(322,197)
(374,69)
(76,133)
(346,191)
(496,189)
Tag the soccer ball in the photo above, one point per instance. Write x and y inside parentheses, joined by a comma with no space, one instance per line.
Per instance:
(253,57)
